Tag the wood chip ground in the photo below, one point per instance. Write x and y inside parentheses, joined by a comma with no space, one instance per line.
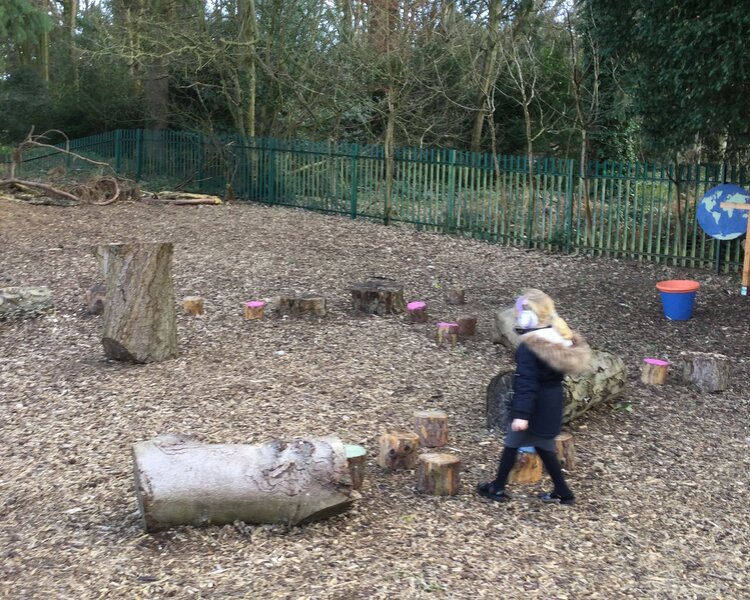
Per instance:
(662,477)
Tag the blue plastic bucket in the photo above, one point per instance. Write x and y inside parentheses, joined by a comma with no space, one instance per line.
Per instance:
(678,298)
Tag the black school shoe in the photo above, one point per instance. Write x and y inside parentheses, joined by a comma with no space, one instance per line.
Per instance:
(552,497)
(489,491)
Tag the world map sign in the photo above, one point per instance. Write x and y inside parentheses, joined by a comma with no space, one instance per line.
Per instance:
(720,223)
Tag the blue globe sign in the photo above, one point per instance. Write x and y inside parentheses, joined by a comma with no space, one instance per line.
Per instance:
(720,223)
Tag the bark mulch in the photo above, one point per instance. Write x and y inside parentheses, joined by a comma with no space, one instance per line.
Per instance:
(662,477)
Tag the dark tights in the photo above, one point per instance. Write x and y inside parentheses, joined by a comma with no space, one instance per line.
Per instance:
(550,462)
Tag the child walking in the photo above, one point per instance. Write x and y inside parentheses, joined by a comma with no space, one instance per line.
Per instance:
(548,351)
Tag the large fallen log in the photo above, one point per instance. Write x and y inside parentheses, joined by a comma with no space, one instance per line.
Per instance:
(179,481)
(18,303)
(604,382)
(139,321)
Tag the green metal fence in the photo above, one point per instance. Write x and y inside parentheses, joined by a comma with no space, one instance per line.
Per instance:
(638,211)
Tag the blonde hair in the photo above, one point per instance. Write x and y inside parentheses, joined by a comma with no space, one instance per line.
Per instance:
(544,308)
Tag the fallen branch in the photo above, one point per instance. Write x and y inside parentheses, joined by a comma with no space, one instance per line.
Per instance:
(39,186)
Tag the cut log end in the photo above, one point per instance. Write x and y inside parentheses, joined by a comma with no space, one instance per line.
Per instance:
(709,372)
(193,305)
(455,296)
(467,325)
(565,450)
(654,371)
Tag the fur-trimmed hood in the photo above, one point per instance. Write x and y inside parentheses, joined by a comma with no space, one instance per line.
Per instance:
(571,359)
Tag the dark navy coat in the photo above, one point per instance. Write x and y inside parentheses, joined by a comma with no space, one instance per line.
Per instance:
(537,394)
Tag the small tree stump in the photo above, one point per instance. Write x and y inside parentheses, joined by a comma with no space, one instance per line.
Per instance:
(193,305)
(355,458)
(455,296)
(654,371)
(398,450)
(95,297)
(528,467)
(378,296)
(439,474)
(253,310)
(296,306)
(432,428)
(565,449)
(709,372)
(447,331)
(467,325)
(417,312)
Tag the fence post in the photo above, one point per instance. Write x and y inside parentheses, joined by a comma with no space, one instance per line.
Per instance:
(353,193)
(118,150)
(451,216)
(568,223)
(272,170)
(138,154)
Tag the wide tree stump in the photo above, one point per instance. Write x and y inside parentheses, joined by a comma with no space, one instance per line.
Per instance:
(528,468)
(95,298)
(439,474)
(17,303)
(378,296)
(182,482)
(604,383)
(709,372)
(193,305)
(398,450)
(654,371)
(417,312)
(253,310)
(467,325)
(298,306)
(565,449)
(455,296)
(139,321)
(432,428)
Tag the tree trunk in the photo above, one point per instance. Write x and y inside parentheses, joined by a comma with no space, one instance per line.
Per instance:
(139,309)
(183,482)
(18,303)
(439,474)
(379,296)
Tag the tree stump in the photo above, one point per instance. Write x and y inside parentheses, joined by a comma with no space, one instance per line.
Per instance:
(432,428)
(565,449)
(467,325)
(378,296)
(193,305)
(95,297)
(355,458)
(455,296)
(18,303)
(253,310)
(398,450)
(439,474)
(182,482)
(528,467)
(139,309)
(417,312)
(709,372)
(297,306)
(447,332)
(654,371)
